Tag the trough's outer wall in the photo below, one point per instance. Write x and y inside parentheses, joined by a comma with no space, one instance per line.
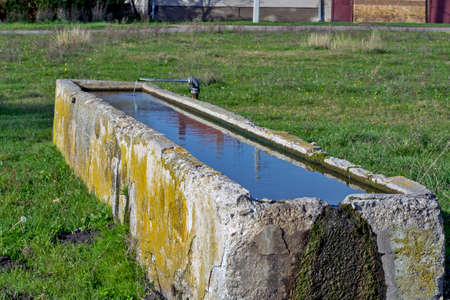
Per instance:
(198,234)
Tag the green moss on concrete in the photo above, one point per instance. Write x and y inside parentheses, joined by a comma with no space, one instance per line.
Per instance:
(319,157)
(341,259)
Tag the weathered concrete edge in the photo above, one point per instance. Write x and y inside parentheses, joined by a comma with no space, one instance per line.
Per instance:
(219,211)
(410,237)
(289,142)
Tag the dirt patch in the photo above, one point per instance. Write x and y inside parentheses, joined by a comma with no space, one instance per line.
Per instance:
(153,295)
(7,263)
(11,295)
(76,237)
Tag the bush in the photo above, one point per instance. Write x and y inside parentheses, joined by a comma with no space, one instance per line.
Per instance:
(81,10)
(2,10)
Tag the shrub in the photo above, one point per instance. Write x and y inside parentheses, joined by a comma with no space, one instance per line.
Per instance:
(2,10)
(83,10)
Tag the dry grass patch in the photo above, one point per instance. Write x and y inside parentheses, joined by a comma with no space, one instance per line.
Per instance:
(319,40)
(68,41)
(374,43)
(334,41)
(73,37)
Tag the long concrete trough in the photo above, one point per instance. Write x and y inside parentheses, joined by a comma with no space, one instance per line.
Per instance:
(201,235)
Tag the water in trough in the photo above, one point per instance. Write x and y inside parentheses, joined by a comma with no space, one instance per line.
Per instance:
(263,172)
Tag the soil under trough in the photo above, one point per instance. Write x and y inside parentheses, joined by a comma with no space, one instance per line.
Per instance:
(7,263)
(76,237)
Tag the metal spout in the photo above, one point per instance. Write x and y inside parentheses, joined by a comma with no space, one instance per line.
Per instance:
(195,87)
(194,82)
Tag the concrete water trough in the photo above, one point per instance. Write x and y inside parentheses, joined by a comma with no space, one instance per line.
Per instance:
(276,219)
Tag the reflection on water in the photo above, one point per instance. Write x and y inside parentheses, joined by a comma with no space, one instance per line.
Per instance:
(264,175)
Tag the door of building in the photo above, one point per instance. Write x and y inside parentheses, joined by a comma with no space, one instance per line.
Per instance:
(342,11)
(439,11)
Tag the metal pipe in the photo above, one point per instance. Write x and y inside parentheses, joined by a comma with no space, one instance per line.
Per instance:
(194,82)
(164,80)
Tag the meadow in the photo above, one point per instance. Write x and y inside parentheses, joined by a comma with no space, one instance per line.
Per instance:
(377,99)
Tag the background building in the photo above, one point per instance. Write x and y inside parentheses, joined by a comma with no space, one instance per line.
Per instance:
(419,11)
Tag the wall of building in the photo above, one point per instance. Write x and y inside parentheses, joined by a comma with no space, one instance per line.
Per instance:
(270,10)
(176,13)
(389,11)
(287,10)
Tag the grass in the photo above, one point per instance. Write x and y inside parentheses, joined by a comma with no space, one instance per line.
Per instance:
(333,41)
(39,197)
(74,37)
(387,111)
(127,25)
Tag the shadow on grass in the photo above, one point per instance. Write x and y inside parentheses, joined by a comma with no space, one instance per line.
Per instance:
(17,109)
(26,123)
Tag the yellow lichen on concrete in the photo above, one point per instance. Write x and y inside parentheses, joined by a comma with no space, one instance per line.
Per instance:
(165,226)
(416,255)
(60,122)
(293,139)
(161,215)
(99,162)
(401,181)
(162,232)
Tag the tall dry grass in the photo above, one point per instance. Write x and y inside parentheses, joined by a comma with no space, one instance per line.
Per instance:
(68,41)
(333,41)
(319,40)
(374,43)
(73,37)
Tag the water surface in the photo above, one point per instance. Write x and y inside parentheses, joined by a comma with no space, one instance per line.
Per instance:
(249,164)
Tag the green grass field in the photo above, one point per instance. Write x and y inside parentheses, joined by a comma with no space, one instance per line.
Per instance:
(386,109)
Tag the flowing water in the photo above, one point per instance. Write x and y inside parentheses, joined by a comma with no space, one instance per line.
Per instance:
(265,173)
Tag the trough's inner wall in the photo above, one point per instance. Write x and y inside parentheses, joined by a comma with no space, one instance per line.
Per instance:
(201,237)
